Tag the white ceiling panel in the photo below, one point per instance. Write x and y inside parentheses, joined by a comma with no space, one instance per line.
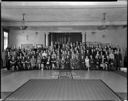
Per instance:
(64,12)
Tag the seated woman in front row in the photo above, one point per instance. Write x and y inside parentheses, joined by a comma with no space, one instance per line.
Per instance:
(62,62)
(18,63)
(28,63)
(23,63)
(13,63)
(48,63)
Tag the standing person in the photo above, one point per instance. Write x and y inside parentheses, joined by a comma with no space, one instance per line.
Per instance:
(7,59)
(42,62)
(75,61)
(58,62)
(97,63)
(62,62)
(71,63)
(33,62)
(125,59)
(8,62)
(119,59)
(48,63)
(78,60)
(111,60)
(67,63)
(102,64)
(82,62)
(53,60)
(87,53)
(100,61)
(39,61)
(106,60)
(87,63)
(91,62)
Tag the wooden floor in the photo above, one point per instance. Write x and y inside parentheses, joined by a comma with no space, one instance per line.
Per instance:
(10,81)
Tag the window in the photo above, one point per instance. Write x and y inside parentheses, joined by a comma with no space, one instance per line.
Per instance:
(5,40)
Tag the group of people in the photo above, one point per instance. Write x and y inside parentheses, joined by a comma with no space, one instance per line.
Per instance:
(69,55)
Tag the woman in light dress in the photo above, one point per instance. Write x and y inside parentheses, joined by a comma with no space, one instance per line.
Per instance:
(87,62)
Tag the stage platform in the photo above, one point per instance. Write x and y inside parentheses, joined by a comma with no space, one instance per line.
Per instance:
(63,90)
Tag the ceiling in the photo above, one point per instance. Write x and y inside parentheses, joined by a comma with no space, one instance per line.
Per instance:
(63,13)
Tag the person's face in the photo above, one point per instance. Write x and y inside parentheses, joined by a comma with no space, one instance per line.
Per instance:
(90,56)
(13,58)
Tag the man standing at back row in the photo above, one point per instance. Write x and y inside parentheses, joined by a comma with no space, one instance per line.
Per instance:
(118,59)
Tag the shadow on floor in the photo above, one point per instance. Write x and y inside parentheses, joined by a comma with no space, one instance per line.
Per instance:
(122,95)
(5,94)
(121,73)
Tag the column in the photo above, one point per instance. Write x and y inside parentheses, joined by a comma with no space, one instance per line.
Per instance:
(44,42)
(47,40)
(83,37)
(2,39)
(51,39)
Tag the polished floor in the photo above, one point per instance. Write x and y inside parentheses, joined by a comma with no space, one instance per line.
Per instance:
(10,81)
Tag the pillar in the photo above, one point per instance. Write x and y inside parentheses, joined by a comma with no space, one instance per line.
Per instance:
(51,39)
(47,40)
(83,37)
(2,40)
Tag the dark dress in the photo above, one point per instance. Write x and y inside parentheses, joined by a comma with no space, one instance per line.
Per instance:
(23,63)
(13,63)
(43,61)
(92,66)
(67,63)
(97,63)
(82,63)
(18,63)
(27,63)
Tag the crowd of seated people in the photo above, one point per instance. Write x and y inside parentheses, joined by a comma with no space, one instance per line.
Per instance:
(72,56)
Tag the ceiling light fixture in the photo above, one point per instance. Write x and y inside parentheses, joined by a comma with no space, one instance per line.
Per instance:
(103,26)
(23,27)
